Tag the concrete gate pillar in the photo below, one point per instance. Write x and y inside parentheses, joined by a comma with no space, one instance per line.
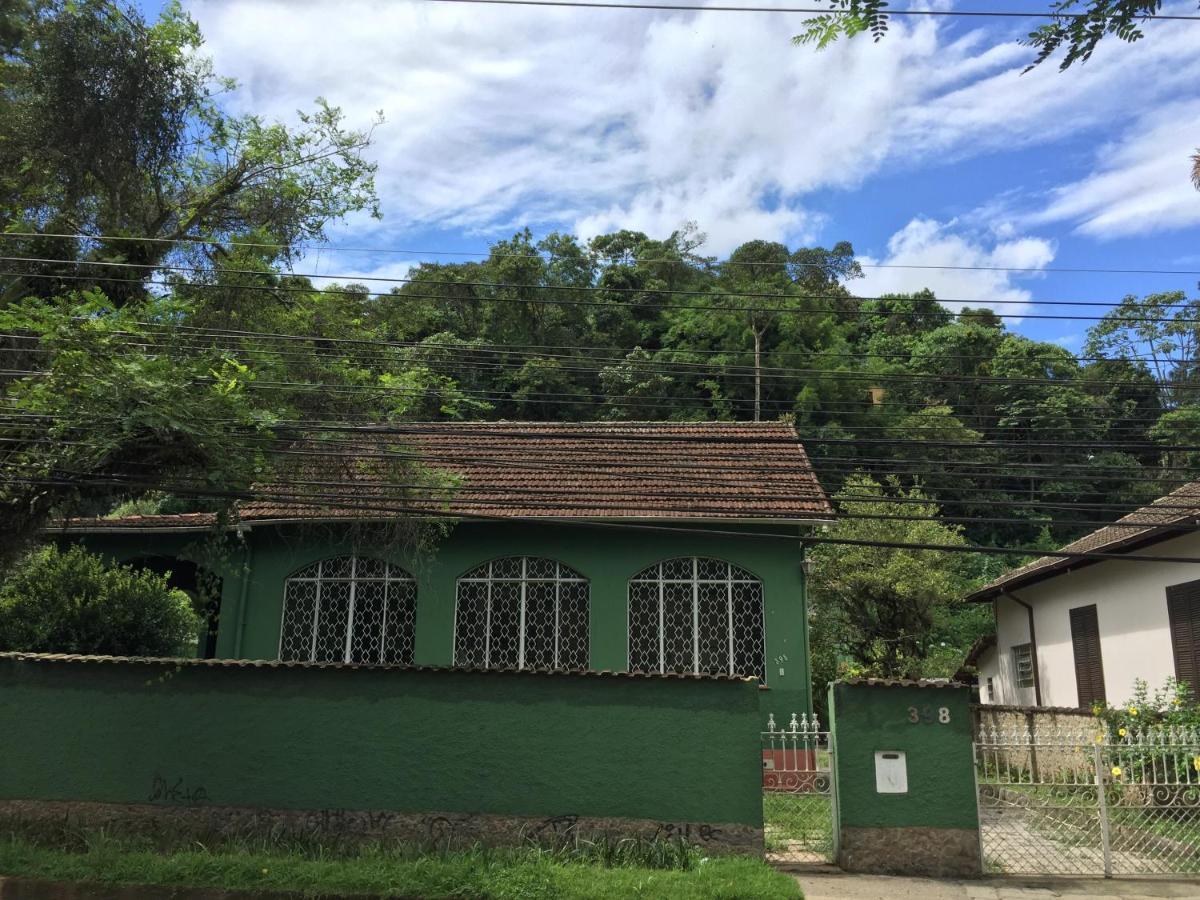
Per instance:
(905,778)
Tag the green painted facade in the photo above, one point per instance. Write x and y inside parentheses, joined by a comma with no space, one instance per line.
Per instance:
(670,750)
(253,576)
(866,718)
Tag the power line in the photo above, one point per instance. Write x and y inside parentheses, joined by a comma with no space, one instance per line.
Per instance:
(803,10)
(513,431)
(302,503)
(701,472)
(593,289)
(1079,380)
(680,260)
(651,363)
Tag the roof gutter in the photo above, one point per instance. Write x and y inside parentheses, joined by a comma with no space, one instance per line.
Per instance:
(1033,650)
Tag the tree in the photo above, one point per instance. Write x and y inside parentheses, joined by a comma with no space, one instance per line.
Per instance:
(879,605)
(1156,332)
(71,601)
(111,129)
(114,151)
(100,418)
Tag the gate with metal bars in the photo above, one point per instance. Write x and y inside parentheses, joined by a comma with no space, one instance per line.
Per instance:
(1087,801)
(798,791)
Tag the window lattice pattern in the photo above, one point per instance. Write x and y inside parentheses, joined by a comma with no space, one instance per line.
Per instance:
(696,615)
(349,609)
(521,612)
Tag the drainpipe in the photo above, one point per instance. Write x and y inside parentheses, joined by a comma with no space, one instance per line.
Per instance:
(1033,651)
(243,592)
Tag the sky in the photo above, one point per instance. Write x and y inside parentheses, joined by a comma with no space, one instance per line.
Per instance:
(928,148)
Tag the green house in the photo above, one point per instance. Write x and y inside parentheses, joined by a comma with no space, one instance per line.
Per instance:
(663,548)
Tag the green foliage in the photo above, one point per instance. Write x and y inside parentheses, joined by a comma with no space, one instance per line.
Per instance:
(1171,704)
(111,127)
(1079,26)
(884,607)
(113,418)
(71,601)
(1138,725)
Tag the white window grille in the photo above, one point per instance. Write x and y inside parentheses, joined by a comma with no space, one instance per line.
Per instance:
(349,609)
(521,612)
(1023,663)
(696,615)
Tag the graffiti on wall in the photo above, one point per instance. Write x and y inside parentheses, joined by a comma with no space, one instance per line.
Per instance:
(168,790)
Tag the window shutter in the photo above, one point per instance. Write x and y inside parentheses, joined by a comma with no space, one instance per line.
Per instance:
(1183,610)
(1089,668)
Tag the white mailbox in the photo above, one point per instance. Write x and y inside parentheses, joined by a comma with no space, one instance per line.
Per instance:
(891,772)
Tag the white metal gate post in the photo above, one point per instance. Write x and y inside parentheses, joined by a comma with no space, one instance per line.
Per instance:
(1105,843)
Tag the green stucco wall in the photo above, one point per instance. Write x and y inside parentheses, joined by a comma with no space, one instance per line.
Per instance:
(675,750)
(607,556)
(866,718)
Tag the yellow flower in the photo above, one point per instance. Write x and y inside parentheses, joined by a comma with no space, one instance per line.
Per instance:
(1133,710)
(1175,702)
(1099,739)
(1196,763)
(1116,770)
(1121,732)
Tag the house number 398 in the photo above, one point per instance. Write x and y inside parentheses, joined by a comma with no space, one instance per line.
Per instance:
(926,714)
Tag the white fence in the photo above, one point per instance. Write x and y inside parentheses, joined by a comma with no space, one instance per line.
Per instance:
(1090,801)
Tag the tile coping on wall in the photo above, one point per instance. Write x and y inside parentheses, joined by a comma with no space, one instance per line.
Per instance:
(290,664)
(904,682)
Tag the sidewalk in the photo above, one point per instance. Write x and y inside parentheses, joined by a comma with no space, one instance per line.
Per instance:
(832,884)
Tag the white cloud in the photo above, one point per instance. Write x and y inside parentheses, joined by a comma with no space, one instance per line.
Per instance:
(1141,181)
(969,278)
(590,119)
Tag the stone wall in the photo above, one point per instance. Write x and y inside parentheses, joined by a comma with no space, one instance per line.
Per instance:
(435,831)
(1044,741)
(916,850)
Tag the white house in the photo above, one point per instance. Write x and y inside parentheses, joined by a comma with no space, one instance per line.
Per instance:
(1071,631)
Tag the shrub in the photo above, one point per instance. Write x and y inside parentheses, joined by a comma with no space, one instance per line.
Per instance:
(72,601)
(1155,733)
(1171,704)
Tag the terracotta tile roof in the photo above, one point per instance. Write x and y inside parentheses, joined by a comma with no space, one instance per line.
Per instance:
(589,470)
(288,664)
(1157,521)
(903,682)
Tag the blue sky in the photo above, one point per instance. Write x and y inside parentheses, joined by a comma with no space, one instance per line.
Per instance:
(928,148)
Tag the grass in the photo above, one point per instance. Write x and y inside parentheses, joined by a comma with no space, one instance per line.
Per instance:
(591,870)
(803,818)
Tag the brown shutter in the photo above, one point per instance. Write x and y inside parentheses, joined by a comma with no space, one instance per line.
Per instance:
(1183,610)
(1089,668)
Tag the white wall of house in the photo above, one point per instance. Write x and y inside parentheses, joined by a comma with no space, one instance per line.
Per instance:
(1131,607)
(990,684)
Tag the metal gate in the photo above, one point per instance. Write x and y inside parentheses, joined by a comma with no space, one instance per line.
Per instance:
(798,791)
(1089,802)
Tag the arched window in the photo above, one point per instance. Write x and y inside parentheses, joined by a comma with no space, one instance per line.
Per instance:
(696,615)
(521,612)
(349,609)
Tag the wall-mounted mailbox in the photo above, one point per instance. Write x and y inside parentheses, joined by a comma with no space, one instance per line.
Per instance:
(891,772)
